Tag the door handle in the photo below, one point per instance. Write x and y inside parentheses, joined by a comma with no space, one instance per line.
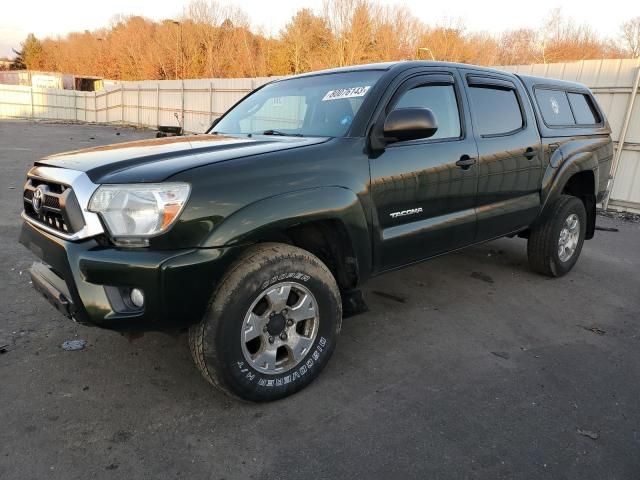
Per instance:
(530,153)
(465,162)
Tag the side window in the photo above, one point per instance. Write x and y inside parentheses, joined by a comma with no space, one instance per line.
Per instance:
(554,107)
(497,110)
(583,110)
(441,99)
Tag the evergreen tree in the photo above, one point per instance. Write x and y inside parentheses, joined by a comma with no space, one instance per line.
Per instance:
(30,56)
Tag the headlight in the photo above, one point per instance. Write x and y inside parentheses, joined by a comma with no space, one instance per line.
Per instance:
(139,210)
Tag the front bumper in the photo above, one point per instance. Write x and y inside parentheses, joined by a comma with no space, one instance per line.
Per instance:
(79,280)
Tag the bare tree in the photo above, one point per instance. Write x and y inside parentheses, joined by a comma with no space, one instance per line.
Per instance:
(561,39)
(517,47)
(396,33)
(630,33)
(445,41)
(305,42)
(351,23)
(214,39)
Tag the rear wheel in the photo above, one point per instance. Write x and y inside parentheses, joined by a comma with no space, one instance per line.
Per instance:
(272,324)
(555,245)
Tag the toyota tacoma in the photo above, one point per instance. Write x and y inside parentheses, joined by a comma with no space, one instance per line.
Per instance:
(255,235)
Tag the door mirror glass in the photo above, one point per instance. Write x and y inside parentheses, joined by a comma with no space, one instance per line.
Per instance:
(404,124)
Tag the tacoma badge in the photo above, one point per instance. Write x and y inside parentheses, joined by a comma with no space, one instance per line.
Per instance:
(411,211)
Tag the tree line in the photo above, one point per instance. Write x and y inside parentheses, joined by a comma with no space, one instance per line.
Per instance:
(215,40)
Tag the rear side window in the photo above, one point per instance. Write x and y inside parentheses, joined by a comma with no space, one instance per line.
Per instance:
(441,99)
(583,110)
(554,107)
(497,110)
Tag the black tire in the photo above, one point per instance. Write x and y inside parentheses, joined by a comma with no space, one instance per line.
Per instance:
(216,343)
(543,245)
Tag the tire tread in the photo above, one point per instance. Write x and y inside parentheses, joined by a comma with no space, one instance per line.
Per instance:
(253,259)
(542,240)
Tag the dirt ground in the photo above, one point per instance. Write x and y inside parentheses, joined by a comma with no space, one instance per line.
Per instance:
(467,366)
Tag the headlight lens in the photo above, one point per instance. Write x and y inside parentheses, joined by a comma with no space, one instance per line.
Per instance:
(139,210)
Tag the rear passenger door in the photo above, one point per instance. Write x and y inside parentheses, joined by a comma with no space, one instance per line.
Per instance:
(509,153)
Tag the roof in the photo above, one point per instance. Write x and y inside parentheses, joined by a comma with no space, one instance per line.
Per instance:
(404,64)
(530,80)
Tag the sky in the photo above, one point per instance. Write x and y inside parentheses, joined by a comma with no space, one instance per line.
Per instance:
(52,18)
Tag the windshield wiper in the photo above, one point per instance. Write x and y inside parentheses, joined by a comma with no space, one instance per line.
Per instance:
(282,134)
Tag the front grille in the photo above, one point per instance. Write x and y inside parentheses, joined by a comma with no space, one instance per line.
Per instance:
(56,206)
(52,202)
(49,200)
(49,218)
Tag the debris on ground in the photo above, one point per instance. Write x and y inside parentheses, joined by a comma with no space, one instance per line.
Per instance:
(607,229)
(588,433)
(482,276)
(504,355)
(594,329)
(121,436)
(72,345)
(390,296)
(4,349)
(626,216)
(131,336)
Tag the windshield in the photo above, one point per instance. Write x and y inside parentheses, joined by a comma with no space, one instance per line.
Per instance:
(319,105)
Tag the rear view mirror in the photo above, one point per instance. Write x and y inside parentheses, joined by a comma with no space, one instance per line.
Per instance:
(405,124)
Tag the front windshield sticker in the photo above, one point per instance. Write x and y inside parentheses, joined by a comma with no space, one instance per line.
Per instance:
(346,93)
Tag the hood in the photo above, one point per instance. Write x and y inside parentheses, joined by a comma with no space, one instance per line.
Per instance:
(157,159)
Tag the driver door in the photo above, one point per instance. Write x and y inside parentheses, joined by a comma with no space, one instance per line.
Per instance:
(424,191)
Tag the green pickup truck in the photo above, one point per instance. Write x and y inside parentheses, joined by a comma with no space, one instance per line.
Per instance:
(256,235)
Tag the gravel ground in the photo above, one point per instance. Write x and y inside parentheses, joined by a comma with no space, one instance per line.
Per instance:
(467,366)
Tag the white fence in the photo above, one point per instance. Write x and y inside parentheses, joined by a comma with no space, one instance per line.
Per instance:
(198,102)
(146,104)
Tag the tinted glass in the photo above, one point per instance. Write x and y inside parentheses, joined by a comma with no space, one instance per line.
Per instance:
(441,99)
(496,110)
(317,105)
(554,107)
(582,110)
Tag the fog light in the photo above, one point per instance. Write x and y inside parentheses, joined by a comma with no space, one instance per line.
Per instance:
(137,297)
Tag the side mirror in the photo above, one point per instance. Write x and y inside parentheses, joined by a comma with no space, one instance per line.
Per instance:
(405,124)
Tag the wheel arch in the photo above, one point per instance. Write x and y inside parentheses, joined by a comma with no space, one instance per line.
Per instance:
(329,222)
(577,175)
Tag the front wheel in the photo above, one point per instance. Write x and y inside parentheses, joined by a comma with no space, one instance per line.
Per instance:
(555,244)
(272,324)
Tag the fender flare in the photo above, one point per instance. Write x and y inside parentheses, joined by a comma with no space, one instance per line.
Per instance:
(555,179)
(269,217)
